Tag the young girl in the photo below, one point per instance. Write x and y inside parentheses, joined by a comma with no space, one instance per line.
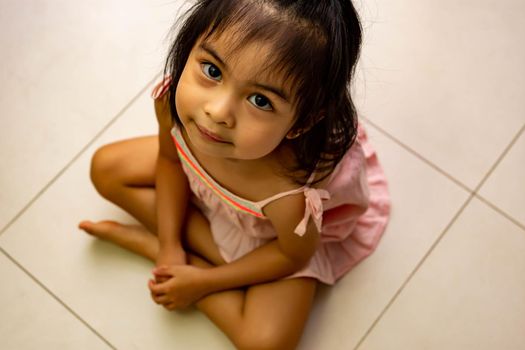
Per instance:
(259,184)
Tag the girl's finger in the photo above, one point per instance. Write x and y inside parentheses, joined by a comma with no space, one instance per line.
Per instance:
(159,268)
(157,295)
(151,284)
(161,278)
(157,288)
(162,273)
(159,300)
(154,298)
(163,299)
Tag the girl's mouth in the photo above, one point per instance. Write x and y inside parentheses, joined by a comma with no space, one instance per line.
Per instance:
(210,136)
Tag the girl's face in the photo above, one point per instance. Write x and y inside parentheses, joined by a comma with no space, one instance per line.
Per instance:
(230,104)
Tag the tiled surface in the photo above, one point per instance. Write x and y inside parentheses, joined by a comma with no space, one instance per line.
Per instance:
(67,69)
(441,84)
(467,295)
(30,319)
(506,185)
(446,78)
(105,285)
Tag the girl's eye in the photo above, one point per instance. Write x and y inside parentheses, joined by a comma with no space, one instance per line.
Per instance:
(261,102)
(211,71)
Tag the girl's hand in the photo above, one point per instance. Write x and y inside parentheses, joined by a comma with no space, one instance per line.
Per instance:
(183,285)
(160,95)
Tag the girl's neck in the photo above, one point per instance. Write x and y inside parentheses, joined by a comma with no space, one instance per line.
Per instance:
(255,179)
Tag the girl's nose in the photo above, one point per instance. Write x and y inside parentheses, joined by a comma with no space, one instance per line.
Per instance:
(219,108)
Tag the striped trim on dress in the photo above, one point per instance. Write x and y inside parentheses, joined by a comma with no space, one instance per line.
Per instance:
(191,163)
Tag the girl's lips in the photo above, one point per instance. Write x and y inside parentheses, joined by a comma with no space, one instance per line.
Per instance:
(207,134)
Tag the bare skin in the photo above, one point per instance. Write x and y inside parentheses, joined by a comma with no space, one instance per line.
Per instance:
(264,316)
(135,238)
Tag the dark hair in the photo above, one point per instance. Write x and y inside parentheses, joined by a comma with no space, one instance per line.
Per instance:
(317,45)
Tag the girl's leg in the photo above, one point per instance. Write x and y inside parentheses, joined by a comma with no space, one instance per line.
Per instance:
(270,315)
(124,173)
(264,316)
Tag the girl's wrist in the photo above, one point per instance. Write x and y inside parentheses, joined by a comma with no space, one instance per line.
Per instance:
(169,245)
(206,282)
(172,254)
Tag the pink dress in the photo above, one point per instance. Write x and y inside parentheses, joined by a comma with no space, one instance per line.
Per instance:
(351,211)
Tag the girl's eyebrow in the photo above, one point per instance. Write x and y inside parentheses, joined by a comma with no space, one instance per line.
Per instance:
(204,46)
(277,91)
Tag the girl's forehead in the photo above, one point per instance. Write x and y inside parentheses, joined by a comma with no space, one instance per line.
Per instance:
(230,50)
(254,59)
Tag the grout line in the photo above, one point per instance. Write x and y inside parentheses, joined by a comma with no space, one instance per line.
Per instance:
(57,299)
(417,155)
(416,269)
(473,194)
(500,211)
(74,159)
(500,158)
(491,171)
(48,185)
(478,187)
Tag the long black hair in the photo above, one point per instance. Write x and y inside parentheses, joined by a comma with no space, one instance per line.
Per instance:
(316,45)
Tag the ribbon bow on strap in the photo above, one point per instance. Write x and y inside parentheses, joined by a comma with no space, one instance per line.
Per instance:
(314,209)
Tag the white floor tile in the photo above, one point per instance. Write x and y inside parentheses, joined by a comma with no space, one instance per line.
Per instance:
(446,78)
(104,284)
(32,319)
(467,295)
(505,188)
(111,293)
(68,68)
(423,203)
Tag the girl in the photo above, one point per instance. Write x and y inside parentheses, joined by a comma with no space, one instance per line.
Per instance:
(259,184)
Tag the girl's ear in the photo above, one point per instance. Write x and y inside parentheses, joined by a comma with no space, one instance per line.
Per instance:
(295,133)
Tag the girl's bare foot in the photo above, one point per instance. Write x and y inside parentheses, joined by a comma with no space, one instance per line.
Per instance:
(132,237)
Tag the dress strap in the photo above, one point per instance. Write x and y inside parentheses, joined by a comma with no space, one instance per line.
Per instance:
(265,202)
(311,178)
(313,204)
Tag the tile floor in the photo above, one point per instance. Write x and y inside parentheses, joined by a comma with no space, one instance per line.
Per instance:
(441,88)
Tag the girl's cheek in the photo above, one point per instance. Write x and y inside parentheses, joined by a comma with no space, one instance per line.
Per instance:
(186,97)
(178,100)
(183,86)
(181,97)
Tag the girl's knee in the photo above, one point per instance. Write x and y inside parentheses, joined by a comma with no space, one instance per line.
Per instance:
(265,337)
(104,166)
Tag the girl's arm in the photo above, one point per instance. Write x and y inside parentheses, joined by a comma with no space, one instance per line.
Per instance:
(279,258)
(288,253)
(172,191)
